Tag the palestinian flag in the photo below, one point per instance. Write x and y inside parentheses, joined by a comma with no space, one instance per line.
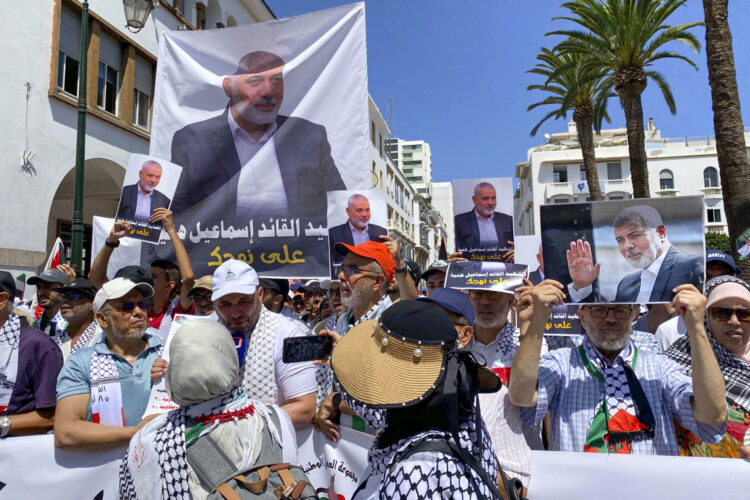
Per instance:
(56,254)
(20,285)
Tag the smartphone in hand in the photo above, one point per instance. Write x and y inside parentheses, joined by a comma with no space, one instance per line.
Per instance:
(299,349)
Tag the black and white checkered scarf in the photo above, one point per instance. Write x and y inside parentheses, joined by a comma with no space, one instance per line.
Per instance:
(736,372)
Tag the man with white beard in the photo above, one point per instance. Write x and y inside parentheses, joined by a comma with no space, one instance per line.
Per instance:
(252,159)
(139,200)
(642,240)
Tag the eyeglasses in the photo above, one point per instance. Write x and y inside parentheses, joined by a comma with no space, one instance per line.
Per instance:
(350,271)
(726,313)
(201,297)
(129,307)
(491,295)
(620,312)
(74,296)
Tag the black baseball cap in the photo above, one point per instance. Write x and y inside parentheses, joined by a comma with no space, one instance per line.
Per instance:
(136,274)
(50,276)
(80,285)
(278,286)
(414,271)
(8,284)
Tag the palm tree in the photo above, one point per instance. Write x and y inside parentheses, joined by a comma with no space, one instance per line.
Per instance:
(730,136)
(574,85)
(625,37)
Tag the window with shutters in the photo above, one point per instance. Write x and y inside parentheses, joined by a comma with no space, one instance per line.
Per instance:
(69,54)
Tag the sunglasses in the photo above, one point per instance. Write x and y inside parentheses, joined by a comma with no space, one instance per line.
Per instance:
(73,296)
(491,295)
(600,312)
(200,297)
(726,313)
(129,307)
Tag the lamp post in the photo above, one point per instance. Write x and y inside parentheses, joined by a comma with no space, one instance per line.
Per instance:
(136,13)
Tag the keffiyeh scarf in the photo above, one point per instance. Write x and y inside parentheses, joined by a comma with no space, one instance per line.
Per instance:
(736,372)
(157,453)
(10,336)
(83,341)
(624,414)
(258,373)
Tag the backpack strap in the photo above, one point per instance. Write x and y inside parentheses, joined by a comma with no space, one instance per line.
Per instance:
(511,487)
(208,460)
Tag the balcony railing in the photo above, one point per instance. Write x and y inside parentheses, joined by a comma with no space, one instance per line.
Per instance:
(667,193)
(559,188)
(618,186)
(712,192)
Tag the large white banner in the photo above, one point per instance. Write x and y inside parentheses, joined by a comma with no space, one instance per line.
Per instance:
(31,468)
(264,120)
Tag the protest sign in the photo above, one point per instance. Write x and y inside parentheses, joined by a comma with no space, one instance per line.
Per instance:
(126,254)
(624,251)
(354,213)
(339,464)
(742,244)
(483,217)
(140,196)
(494,276)
(264,120)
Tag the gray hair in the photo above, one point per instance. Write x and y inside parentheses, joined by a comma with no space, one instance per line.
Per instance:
(483,185)
(356,197)
(645,215)
(150,163)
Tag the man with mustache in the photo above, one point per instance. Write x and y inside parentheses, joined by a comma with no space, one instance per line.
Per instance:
(357,229)
(642,240)
(250,161)
(139,200)
(50,322)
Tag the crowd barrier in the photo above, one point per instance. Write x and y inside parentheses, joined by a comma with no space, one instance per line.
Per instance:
(31,468)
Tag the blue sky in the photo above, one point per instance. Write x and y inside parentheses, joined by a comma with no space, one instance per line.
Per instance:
(456,72)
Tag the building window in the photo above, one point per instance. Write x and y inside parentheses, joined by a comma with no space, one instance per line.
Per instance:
(372,133)
(666,179)
(560,200)
(380,142)
(614,171)
(219,26)
(374,175)
(710,178)
(67,74)
(179,5)
(583,173)
(141,108)
(107,89)
(616,197)
(713,215)
(200,16)
(559,174)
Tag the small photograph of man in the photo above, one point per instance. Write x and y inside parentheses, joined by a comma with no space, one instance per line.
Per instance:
(743,245)
(139,200)
(358,227)
(251,161)
(485,225)
(636,259)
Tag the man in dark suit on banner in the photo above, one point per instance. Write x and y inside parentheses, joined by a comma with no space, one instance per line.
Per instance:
(642,240)
(139,200)
(357,229)
(249,161)
(482,227)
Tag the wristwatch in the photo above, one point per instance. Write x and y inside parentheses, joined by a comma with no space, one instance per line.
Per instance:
(112,245)
(5,423)
(402,270)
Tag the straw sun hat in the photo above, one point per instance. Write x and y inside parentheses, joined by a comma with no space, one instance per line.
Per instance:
(400,359)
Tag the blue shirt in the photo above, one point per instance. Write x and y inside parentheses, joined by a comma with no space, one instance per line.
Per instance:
(572,395)
(135,380)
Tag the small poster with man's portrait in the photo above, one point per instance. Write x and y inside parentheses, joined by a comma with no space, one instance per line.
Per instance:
(148,188)
(483,218)
(742,244)
(353,218)
(265,119)
(624,251)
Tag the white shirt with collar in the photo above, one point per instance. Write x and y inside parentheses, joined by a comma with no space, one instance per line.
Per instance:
(357,235)
(143,204)
(487,231)
(260,189)
(648,278)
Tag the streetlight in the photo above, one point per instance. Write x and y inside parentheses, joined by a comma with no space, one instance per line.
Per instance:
(136,13)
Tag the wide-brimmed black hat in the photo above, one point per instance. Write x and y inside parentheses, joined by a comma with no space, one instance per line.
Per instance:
(400,359)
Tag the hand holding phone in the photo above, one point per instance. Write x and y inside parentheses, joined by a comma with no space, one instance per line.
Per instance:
(312,348)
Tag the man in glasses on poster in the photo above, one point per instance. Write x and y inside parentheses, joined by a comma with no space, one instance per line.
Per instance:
(641,238)
(251,160)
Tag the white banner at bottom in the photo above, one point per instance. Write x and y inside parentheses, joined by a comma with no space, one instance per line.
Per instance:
(31,468)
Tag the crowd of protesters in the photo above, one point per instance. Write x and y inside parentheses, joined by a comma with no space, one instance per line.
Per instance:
(458,386)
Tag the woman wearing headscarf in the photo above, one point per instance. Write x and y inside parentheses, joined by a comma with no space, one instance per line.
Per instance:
(728,328)
(203,378)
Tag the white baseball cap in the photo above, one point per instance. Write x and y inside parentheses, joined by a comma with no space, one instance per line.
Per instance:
(119,287)
(234,276)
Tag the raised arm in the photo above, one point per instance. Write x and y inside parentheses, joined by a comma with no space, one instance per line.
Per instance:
(98,272)
(406,286)
(534,308)
(187,275)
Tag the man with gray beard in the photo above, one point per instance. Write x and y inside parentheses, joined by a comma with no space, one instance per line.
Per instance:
(250,158)
(642,240)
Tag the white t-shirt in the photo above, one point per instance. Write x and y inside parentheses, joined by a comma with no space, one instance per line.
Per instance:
(292,379)
(669,331)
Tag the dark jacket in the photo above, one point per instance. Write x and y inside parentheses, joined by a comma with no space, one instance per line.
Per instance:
(675,270)
(467,230)
(129,202)
(210,168)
